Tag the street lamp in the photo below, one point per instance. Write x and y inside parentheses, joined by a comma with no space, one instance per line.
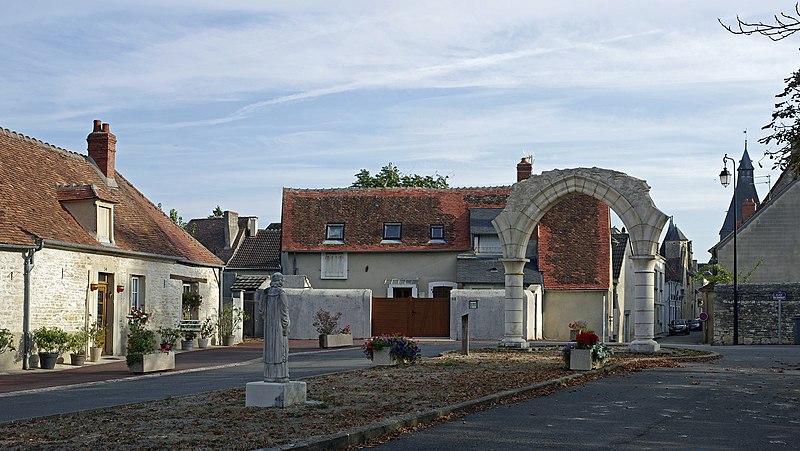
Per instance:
(725,178)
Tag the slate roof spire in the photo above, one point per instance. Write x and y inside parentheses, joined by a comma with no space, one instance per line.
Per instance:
(745,189)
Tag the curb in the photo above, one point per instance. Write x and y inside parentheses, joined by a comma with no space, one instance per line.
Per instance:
(362,435)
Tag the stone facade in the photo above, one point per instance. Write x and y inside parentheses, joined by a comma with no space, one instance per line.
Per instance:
(758,313)
(60,294)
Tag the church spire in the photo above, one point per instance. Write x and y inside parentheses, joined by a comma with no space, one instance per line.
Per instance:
(745,189)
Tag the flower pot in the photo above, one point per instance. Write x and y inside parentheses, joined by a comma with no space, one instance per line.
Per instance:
(95,353)
(47,360)
(202,342)
(77,359)
(186,345)
(383,357)
(580,359)
(229,340)
(156,361)
(335,340)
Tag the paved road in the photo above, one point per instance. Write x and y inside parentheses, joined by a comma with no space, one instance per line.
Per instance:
(102,387)
(750,399)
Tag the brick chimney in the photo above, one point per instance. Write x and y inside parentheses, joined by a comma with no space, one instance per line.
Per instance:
(231,219)
(524,169)
(748,208)
(102,147)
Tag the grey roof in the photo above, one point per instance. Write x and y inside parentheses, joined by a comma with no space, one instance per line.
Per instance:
(480,220)
(490,270)
(248,283)
(619,244)
(745,189)
(674,233)
(262,251)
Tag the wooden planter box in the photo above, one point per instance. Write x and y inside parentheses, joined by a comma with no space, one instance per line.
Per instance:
(335,341)
(383,358)
(157,361)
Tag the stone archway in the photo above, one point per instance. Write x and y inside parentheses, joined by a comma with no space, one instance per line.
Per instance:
(629,198)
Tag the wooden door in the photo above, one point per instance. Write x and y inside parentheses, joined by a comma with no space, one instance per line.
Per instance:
(104,313)
(414,317)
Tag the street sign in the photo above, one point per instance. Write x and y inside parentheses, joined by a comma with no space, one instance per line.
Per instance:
(703,316)
(779,296)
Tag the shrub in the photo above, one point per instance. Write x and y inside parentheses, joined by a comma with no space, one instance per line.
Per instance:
(140,341)
(325,322)
(51,340)
(6,341)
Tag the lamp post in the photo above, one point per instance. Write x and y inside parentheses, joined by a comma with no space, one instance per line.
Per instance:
(725,178)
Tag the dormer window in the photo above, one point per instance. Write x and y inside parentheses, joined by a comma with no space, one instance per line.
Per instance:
(392,232)
(105,220)
(334,234)
(437,234)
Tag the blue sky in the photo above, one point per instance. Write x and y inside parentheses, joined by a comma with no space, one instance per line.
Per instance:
(224,103)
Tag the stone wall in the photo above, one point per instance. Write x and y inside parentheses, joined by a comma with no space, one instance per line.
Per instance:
(487,315)
(758,313)
(354,305)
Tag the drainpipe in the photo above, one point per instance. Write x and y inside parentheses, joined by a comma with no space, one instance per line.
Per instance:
(26,304)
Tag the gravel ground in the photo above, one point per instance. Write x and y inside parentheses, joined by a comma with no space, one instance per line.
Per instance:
(219,420)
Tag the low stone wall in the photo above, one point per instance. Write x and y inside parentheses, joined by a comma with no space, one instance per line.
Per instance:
(486,309)
(355,306)
(758,313)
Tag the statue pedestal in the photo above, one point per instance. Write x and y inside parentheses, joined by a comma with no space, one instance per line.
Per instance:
(275,394)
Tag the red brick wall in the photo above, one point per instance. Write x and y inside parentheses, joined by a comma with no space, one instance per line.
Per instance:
(575,244)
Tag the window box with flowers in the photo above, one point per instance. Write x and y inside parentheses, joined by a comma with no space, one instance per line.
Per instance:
(587,353)
(391,349)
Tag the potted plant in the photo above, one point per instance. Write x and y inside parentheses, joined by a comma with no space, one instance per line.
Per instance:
(329,335)
(575,328)
(230,318)
(51,343)
(77,346)
(391,349)
(6,341)
(191,302)
(188,339)
(207,330)
(168,337)
(98,336)
(142,355)
(587,353)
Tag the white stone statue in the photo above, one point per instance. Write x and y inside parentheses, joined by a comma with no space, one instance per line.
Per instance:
(275,314)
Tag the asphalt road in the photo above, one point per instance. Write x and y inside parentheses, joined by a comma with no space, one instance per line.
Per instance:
(750,399)
(98,394)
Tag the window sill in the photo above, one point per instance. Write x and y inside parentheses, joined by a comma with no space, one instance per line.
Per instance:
(437,242)
(391,242)
(333,242)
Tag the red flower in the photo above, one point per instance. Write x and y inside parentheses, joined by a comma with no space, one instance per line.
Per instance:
(587,340)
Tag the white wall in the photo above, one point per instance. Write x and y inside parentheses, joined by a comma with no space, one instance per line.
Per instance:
(487,321)
(354,305)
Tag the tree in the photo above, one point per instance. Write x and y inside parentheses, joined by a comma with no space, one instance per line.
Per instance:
(175,217)
(216,213)
(390,176)
(785,126)
(785,26)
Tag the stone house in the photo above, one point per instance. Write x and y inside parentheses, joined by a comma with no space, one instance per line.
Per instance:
(84,246)
(682,292)
(419,242)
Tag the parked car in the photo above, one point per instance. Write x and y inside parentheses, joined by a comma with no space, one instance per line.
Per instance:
(678,326)
(695,324)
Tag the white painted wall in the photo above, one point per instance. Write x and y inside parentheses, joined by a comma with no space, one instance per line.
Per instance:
(487,321)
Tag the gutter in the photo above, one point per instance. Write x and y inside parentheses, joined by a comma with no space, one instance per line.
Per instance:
(26,303)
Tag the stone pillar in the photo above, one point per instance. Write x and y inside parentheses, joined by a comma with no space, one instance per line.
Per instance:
(513,303)
(644,316)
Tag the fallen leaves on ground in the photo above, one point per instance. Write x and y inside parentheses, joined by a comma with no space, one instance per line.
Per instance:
(346,401)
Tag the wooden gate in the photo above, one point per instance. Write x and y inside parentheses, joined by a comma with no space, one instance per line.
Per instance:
(414,317)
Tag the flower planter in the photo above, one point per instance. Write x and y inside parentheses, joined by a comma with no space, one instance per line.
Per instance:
(157,361)
(383,357)
(77,359)
(581,360)
(202,342)
(95,353)
(335,340)
(187,345)
(229,340)
(47,360)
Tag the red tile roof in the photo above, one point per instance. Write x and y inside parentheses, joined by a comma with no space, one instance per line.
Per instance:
(35,177)
(364,210)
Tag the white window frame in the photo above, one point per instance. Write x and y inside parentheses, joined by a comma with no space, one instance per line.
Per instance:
(433,285)
(390,290)
(105,222)
(329,238)
(324,270)
(136,290)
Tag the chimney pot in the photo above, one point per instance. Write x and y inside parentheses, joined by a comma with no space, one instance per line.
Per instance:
(96,127)
(106,128)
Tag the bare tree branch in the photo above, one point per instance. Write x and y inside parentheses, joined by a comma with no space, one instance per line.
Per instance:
(783,28)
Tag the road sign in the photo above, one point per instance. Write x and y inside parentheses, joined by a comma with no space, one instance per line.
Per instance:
(703,316)
(779,296)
